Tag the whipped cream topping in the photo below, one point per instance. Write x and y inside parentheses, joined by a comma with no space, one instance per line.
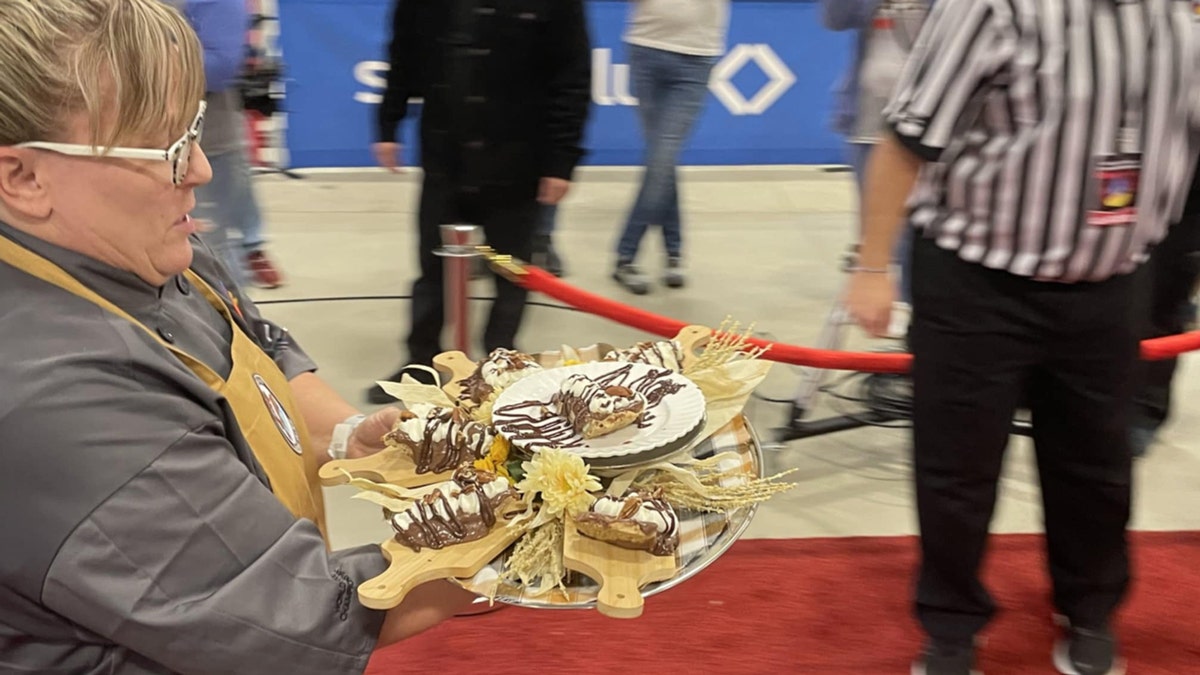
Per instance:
(505,366)
(599,401)
(436,424)
(414,428)
(664,354)
(660,517)
(456,500)
(497,372)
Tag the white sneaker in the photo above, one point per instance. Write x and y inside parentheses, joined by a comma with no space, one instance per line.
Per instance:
(632,279)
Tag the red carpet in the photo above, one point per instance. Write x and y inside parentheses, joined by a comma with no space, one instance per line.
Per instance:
(817,606)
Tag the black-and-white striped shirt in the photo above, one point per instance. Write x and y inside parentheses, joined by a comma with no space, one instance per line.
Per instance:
(1023,106)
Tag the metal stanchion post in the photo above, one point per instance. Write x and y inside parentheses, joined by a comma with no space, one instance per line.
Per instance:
(460,244)
(830,338)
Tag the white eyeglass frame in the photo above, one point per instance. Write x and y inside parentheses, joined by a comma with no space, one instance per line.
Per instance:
(179,153)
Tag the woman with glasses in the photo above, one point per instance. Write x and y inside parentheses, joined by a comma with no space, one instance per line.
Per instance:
(160,439)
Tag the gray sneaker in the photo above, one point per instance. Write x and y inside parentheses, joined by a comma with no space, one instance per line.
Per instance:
(674,276)
(631,278)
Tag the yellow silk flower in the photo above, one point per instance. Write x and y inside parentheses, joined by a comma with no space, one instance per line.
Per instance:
(563,481)
(496,459)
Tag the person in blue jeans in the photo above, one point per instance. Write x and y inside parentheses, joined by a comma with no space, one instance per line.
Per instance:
(884,31)
(228,204)
(673,45)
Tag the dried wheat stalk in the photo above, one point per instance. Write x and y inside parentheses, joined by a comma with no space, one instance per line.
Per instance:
(727,344)
(538,557)
(716,498)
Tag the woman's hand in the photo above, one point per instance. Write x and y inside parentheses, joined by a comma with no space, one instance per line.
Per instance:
(367,438)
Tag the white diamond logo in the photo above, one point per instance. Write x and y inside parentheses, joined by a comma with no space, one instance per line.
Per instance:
(780,79)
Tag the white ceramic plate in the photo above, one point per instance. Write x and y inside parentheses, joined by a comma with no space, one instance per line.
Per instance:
(668,418)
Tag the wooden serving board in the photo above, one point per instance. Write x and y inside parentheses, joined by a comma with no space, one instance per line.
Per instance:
(407,569)
(620,572)
(389,466)
(459,366)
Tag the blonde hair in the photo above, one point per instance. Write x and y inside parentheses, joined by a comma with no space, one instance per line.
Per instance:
(134,67)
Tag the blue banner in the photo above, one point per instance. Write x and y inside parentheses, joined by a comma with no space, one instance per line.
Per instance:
(769,100)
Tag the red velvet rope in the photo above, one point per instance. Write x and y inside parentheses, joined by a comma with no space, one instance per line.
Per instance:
(541,281)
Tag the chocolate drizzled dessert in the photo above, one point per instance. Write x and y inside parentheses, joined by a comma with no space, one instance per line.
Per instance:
(534,424)
(539,424)
(498,371)
(439,439)
(642,521)
(460,510)
(664,354)
(596,410)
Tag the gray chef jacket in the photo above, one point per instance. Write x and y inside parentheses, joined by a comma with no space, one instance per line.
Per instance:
(137,532)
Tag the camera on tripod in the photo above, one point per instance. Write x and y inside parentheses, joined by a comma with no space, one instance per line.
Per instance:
(260,84)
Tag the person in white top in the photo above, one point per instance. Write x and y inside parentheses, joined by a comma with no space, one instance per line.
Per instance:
(673,45)
(885,31)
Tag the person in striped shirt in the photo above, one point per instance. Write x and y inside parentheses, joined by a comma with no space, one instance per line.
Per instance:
(1039,149)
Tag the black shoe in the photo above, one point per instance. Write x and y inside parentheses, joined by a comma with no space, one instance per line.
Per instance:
(1087,652)
(940,659)
(377,396)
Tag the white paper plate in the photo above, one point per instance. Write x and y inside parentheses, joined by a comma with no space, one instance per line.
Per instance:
(670,418)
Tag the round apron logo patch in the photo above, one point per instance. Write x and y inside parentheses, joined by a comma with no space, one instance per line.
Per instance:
(283,421)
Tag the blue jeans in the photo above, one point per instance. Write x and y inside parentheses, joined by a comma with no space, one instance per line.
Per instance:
(858,155)
(228,204)
(671,90)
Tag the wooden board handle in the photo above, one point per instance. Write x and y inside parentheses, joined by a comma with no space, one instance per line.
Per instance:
(459,366)
(389,466)
(620,598)
(691,339)
(409,569)
(620,572)
(389,589)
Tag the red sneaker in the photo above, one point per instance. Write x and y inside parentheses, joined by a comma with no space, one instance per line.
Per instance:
(262,271)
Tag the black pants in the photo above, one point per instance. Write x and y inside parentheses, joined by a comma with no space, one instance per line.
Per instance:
(982,341)
(508,227)
(1173,272)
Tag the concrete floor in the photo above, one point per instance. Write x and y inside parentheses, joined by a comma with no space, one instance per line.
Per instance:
(763,245)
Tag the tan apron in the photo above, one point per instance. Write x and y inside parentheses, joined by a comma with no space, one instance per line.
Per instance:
(257,391)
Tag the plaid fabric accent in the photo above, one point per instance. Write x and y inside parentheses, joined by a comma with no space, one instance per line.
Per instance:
(702,536)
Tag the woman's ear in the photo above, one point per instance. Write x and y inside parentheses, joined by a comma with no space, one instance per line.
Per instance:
(22,193)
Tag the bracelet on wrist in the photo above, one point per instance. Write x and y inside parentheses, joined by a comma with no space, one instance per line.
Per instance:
(340,440)
(870,270)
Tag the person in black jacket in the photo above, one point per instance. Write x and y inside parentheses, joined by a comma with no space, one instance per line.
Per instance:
(506,85)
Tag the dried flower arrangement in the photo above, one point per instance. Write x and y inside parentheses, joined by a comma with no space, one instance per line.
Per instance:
(726,345)
(556,484)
